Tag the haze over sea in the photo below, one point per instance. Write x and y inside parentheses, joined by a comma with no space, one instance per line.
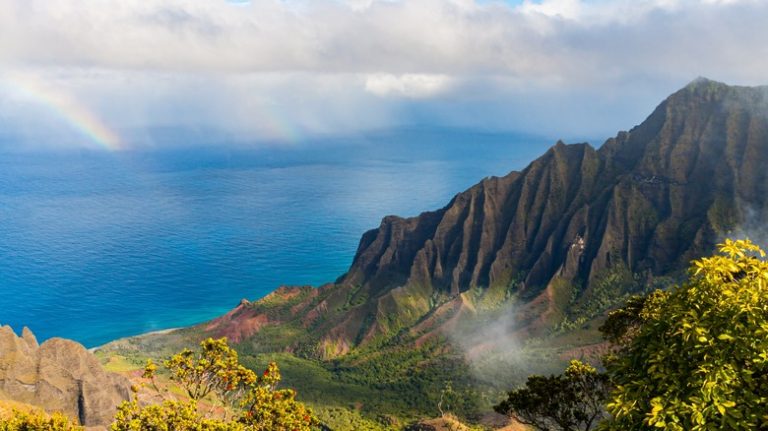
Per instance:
(97,245)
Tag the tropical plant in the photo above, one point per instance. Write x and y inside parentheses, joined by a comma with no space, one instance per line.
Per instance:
(569,402)
(216,372)
(214,369)
(623,324)
(267,408)
(698,360)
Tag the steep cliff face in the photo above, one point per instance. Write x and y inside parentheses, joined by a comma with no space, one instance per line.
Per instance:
(490,232)
(59,375)
(646,202)
(651,198)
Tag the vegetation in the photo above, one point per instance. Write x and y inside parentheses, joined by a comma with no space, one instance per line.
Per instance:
(37,421)
(214,369)
(216,372)
(699,359)
(571,401)
(693,358)
(170,415)
(342,419)
(399,380)
(622,325)
(402,381)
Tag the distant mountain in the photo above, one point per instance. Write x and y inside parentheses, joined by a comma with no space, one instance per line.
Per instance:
(574,229)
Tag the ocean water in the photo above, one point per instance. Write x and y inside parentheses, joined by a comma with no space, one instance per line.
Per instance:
(96,245)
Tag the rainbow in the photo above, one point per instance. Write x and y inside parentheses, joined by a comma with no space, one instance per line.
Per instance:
(77,115)
(276,126)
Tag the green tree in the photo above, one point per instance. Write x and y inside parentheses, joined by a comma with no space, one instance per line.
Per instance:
(697,358)
(214,369)
(623,324)
(448,398)
(270,409)
(260,405)
(571,401)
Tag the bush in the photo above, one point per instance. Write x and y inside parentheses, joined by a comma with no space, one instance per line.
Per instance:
(37,421)
(216,372)
(699,358)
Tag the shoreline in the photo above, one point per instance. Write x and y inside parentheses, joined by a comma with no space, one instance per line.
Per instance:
(143,334)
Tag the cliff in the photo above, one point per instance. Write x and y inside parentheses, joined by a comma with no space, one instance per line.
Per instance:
(651,198)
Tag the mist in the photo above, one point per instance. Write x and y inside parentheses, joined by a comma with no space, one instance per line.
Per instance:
(753,225)
(498,355)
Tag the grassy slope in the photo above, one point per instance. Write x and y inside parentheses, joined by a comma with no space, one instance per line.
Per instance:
(401,377)
(403,382)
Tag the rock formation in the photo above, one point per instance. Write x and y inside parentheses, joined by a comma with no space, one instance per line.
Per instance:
(59,375)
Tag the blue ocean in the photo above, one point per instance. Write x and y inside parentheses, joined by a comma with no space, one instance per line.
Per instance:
(100,245)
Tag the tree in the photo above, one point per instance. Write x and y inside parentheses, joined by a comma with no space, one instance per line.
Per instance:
(215,368)
(623,324)
(699,358)
(571,401)
(270,409)
(216,372)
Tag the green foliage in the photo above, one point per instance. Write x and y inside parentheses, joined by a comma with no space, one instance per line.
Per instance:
(216,370)
(37,421)
(623,324)
(612,286)
(448,398)
(409,379)
(341,419)
(569,402)
(270,409)
(699,360)
(168,416)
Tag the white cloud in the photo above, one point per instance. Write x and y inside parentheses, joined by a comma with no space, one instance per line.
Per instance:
(333,66)
(408,85)
(363,36)
(569,9)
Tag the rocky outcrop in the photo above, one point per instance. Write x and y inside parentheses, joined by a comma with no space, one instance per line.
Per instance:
(59,375)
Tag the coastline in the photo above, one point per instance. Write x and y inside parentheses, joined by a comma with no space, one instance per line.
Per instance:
(143,334)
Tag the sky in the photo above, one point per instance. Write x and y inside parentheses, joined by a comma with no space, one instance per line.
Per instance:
(136,73)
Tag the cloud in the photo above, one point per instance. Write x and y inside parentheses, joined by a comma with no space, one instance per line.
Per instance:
(568,9)
(261,69)
(407,85)
(449,37)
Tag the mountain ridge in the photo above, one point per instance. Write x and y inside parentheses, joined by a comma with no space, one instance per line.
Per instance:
(514,274)
(641,201)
